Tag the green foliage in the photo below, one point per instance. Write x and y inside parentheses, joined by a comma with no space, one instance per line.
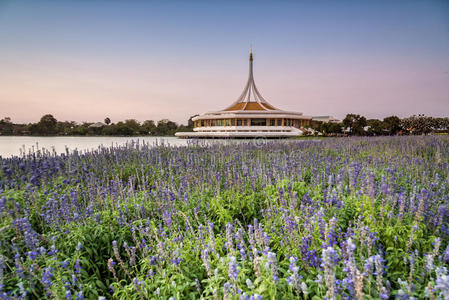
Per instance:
(355,123)
(48,125)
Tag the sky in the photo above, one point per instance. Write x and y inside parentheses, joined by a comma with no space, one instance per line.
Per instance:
(150,60)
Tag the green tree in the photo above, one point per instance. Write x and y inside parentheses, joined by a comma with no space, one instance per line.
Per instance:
(133,125)
(355,123)
(47,125)
(6,126)
(109,130)
(376,127)
(330,128)
(148,127)
(419,124)
(122,129)
(392,125)
(442,124)
(107,121)
(65,128)
(166,128)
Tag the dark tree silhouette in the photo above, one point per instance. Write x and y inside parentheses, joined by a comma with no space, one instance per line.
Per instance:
(47,125)
(392,124)
(376,127)
(355,123)
(148,127)
(6,126)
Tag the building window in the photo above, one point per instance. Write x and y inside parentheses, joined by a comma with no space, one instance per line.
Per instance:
(239,122)
(258,122)
(279,122)
(202,123)
(272,122)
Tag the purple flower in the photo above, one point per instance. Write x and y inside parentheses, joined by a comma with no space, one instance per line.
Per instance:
(77,266)
(446,254)
(79,295)
(271,265)
(46,277)
(53,251)
(442,282)
(330,259)
(64,263)
(233,270)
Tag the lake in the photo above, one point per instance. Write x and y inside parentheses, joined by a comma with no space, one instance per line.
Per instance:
(16,145)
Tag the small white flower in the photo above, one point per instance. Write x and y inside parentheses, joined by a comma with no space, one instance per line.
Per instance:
(249,283)
(304,288)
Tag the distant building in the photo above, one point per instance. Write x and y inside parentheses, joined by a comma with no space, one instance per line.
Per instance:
(250,116)
(97,125)
(325,119)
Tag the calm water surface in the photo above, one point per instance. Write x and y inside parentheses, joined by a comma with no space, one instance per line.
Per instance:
(17,145)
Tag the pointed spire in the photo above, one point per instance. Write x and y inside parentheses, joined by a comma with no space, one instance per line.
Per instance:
(251,53)
(250,93)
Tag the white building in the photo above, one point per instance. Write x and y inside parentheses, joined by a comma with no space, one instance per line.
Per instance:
(250,116)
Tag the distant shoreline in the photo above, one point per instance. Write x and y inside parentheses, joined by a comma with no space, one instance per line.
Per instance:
(110,136)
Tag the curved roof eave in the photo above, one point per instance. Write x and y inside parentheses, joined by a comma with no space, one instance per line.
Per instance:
(254,115)
(269,112)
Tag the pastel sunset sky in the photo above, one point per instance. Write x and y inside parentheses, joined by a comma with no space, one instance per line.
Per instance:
(85,60)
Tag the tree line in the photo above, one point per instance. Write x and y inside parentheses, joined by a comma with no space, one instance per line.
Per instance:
(48,126)
(352,124)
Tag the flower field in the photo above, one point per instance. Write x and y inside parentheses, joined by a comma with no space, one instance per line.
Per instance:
(347,218)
